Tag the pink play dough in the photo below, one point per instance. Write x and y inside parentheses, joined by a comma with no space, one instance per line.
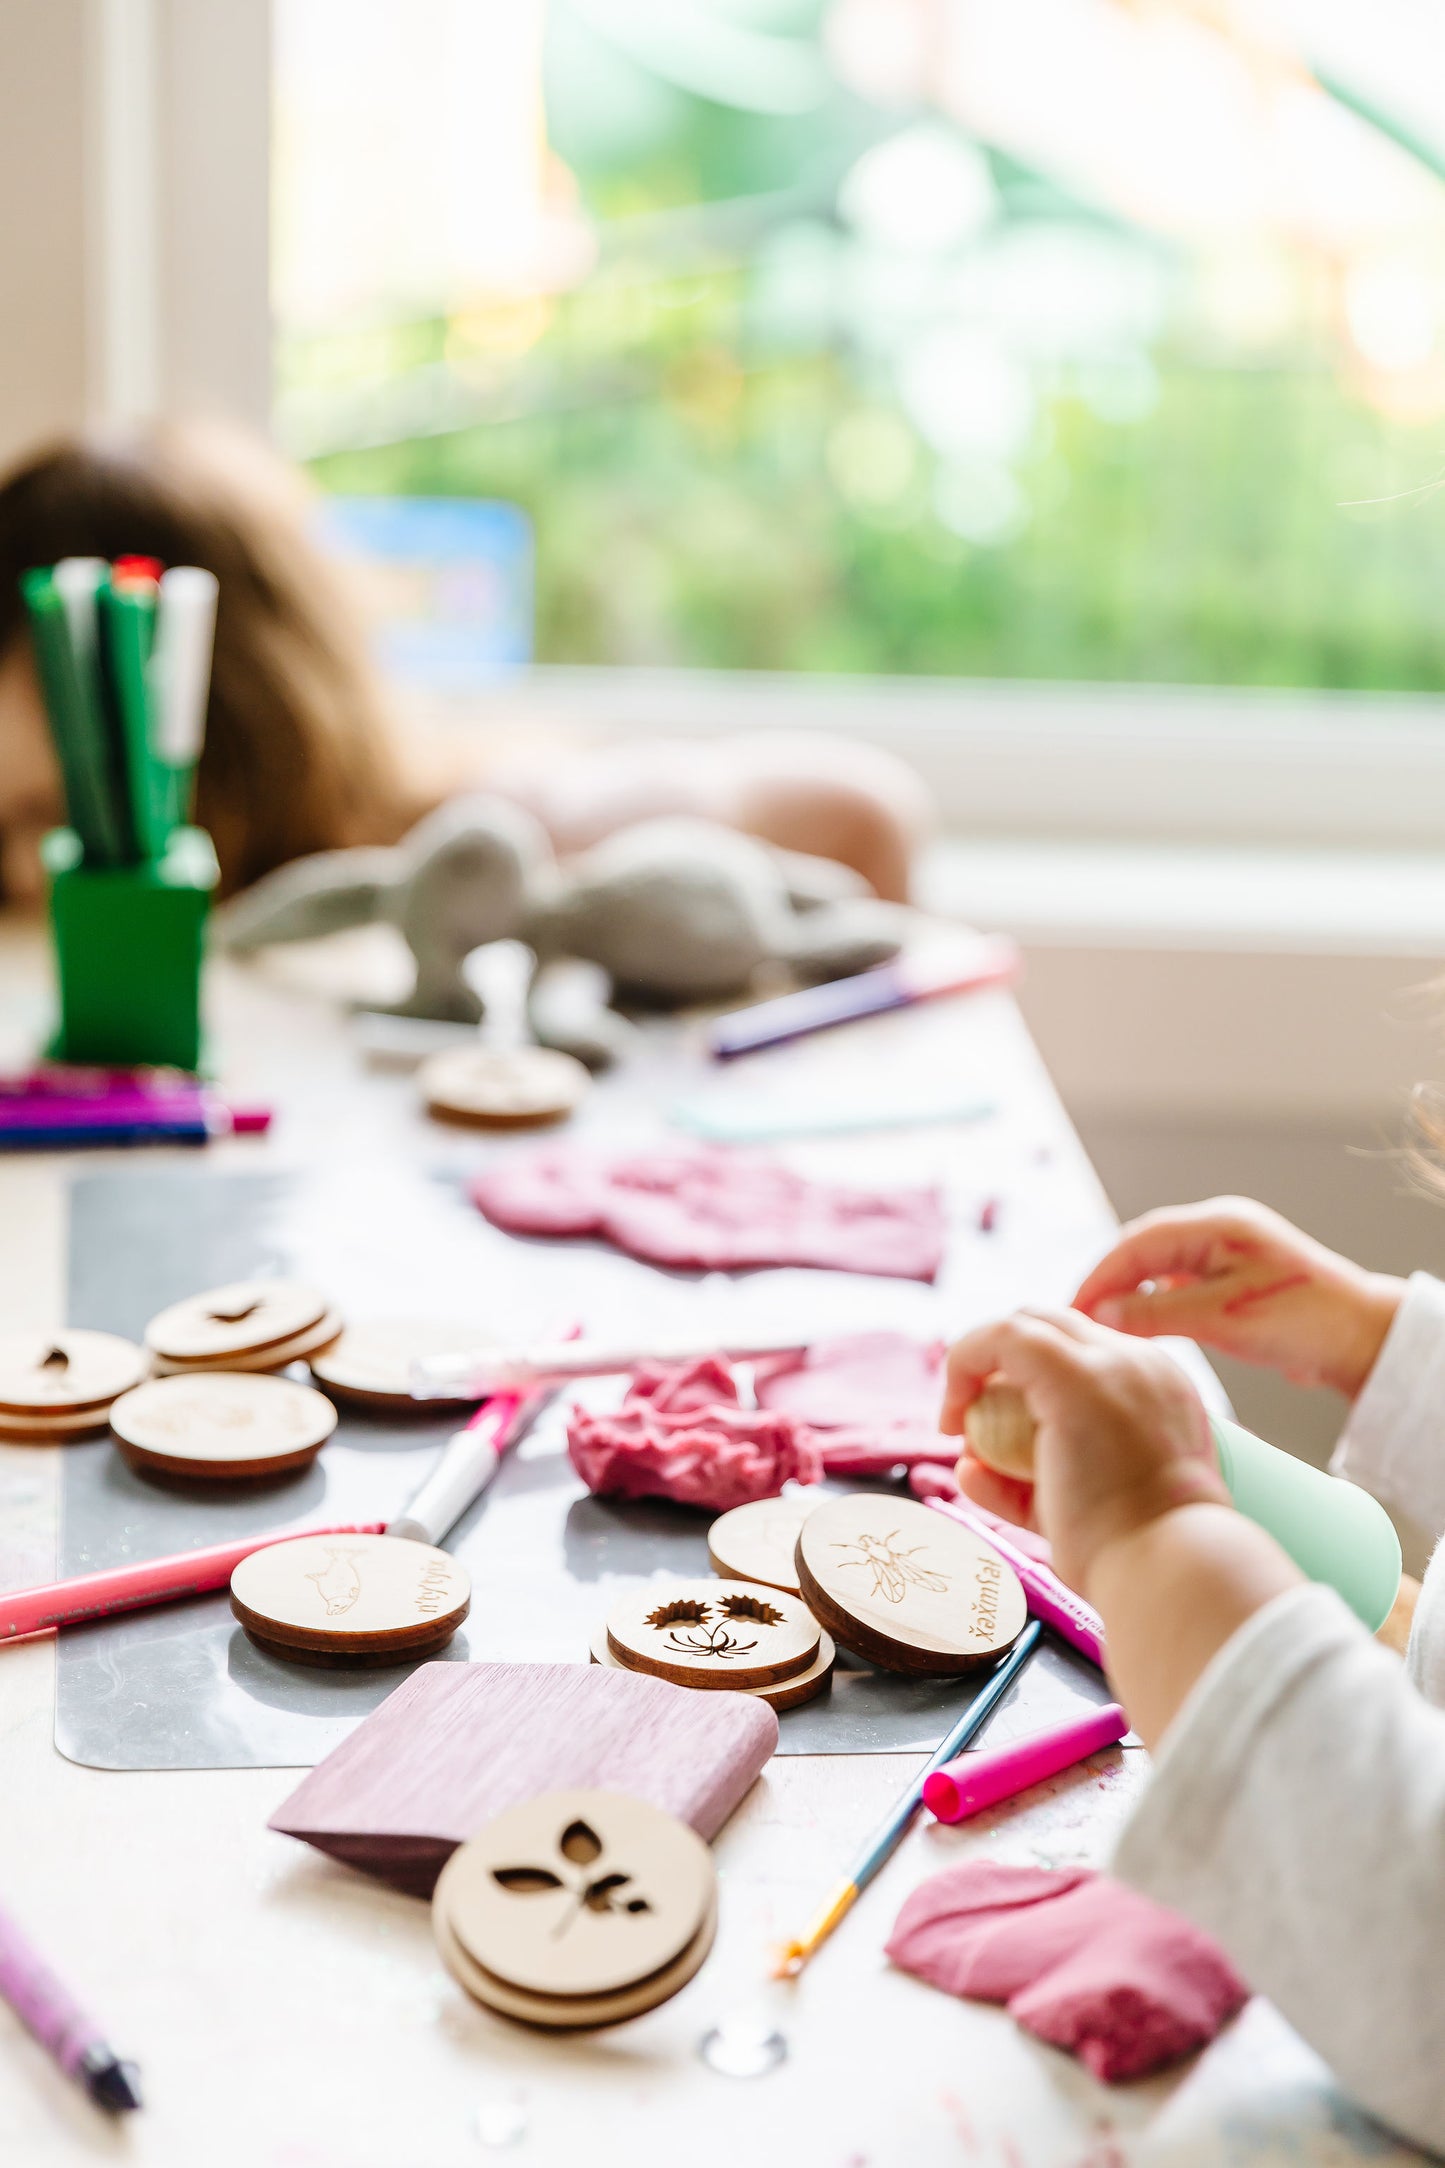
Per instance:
(872,1397)
(710,1209)
(1077,1959)
(681,1434)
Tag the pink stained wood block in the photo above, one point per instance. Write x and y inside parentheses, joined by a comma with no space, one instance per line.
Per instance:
(456,1743)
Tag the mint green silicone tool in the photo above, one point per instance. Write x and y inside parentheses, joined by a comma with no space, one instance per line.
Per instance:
(1333,1531)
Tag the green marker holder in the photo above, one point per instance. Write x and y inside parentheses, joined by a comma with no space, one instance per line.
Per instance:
(129,942)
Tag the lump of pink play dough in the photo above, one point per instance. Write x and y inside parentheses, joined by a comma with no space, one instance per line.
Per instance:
(872,1397)
(681,1434)
(711,1209)
(1076,1958)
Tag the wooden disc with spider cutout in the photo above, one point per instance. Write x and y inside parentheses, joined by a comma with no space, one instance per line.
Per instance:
(577,1893)
(787,1694)
(66,1373)
(221,1427)
(713,1633)
(363,1599)
(246,1318)
(905,1587)
(757,1542)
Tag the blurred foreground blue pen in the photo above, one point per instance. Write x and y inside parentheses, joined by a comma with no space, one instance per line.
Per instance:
(885,1841)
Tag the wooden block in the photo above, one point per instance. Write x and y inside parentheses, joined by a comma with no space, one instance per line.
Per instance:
(458,1743)
(713,1633)
(999,1431)
(906,1588)
(375,1599)
(499,1088)
(756,1542)
(240,1319)
(58,1374)
(219,1427)
(790,1693)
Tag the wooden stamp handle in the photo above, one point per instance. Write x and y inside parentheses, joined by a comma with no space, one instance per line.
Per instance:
(999,1431)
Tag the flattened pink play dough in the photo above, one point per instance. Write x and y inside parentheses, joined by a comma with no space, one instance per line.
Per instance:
(872,1397)
(710,1209)
(681,1434)
(1076,1958)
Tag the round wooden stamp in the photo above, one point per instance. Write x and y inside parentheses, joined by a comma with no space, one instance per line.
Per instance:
(350,1599)
(906,1588)
(371,1364)
(503,1088)
(999,1431)
(578,1908)
(222,1427)
(787,1694)
(713,1633)
(250,1324)
(756,1542)
(64,1380)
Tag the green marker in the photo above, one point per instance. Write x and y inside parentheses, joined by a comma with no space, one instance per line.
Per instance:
(83,767)
(127,623)
(78,582)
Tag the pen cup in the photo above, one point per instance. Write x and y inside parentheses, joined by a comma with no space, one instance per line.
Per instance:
(129,942)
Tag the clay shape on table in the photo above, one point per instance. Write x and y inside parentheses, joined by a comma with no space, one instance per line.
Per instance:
(713,1633)
(681,1434)
(456,1744)
(905,1587)
(220,1426)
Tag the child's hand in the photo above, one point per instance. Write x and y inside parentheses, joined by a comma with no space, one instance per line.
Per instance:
(1122,1434)
(1239,1278)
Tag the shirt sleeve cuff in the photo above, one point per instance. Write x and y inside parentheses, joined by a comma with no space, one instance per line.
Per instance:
(1393,1443)
(1167,1846)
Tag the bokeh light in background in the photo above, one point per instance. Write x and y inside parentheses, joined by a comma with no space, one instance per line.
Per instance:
(1049,338)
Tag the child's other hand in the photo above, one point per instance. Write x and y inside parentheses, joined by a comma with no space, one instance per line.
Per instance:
(1240,1278)
(1122,1434)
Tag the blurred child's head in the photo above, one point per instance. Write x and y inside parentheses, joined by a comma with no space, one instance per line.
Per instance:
(298,756)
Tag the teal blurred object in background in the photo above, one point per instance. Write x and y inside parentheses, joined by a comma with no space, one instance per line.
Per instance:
(450,581)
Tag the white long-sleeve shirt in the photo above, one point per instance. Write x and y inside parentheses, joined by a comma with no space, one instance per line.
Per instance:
(1297,1804)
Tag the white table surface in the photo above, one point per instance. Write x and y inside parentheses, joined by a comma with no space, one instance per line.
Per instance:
(288,2013)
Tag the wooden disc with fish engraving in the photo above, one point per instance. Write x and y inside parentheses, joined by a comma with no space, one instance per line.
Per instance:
(756,1542)
(371,1363)
(713,1633)
(246,1319)
(788,1694)
(503,1087)
(357,1599)
(66,1374)
(221,1427)
(578,1908)
(906,1588)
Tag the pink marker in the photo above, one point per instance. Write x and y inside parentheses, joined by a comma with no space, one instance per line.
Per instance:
(975,1781)
(1049,1598)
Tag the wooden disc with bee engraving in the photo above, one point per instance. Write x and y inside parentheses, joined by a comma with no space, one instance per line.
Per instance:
(713,1633)
(787,1694)
(574,1895)
(358,1599)
(221,1427)
(245,1320)
(906,1588)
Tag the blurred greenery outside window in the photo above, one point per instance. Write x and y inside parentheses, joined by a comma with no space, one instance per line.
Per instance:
(1047,339)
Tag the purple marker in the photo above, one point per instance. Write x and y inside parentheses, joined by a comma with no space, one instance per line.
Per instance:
(975,1781)
(986,960)
(1049,1598)
(59,2024)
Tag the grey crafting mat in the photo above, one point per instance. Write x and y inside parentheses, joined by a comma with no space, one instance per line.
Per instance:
(181,1686)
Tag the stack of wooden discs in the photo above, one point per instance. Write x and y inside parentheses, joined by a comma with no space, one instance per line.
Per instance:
(728,1635)
(906,1588)
(221,1427)
(577,1909)
(370,1366)
(350,1601)
(757,1542)
(57,1386)
(250,1325)
(502,1087)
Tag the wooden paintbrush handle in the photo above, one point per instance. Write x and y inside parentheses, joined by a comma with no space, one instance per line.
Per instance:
(999,1431)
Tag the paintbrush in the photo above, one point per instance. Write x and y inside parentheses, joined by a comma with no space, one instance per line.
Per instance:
(885,1841)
